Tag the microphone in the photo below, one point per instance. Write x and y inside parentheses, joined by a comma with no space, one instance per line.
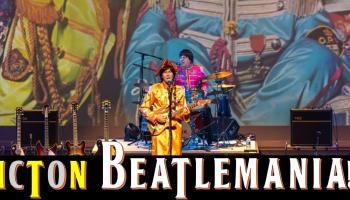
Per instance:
(170,82)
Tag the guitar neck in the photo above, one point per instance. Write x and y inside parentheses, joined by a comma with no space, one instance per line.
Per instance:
(46,133)
(175,112)
(75,128)
(19,126)
(189,106)
(106,126)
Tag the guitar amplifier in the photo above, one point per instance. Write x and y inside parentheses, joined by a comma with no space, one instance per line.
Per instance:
(33,127)
(311,127)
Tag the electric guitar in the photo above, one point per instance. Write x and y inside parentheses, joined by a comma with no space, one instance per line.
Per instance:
(16,148)
(75,148)
(157,127)
(46,150)
(98,149)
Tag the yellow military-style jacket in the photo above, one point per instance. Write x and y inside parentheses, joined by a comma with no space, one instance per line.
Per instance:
(155,103)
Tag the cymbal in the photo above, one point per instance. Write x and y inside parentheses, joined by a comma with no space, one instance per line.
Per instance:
(224,86)
(142,85)
(218,75)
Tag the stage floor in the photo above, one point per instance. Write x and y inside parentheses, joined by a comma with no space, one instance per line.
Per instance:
(271,140)
(193,147)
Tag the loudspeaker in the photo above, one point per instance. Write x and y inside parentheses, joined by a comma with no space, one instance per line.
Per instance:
(33,127)
(131,132)
(311,127)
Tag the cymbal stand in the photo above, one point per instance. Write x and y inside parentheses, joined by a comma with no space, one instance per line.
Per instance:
(223,136)
(220,136)
(141,99)
(218,82)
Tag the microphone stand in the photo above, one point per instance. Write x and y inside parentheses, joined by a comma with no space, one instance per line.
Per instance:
(170,94)
(146,54)
(142,67)
(141,99)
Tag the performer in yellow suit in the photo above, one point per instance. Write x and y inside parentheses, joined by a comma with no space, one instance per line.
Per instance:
(155,108)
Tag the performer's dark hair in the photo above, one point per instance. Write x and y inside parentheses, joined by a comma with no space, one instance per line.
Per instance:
(162,70)
(188,53)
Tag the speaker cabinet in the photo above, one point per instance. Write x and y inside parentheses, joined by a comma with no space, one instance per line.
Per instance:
(33,127)
(311,127)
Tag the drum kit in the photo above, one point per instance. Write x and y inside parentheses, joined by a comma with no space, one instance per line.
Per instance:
(203,119)
(200,116)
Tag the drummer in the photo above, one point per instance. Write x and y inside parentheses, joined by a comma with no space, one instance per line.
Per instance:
(190,76)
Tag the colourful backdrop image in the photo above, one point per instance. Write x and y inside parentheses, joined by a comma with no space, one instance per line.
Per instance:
(287,55)
(54,54)
(282,54)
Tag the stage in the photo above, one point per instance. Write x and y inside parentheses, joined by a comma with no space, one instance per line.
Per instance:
(270,140)
(227,147)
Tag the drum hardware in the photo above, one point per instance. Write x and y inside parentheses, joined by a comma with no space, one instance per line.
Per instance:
(200,120)
(200,142)
(217,92)
(135,135)
(220,92)
(138,134)
(222,110)
(224,124)
(143,89)
(142,85)
(224,86)
(218,75)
